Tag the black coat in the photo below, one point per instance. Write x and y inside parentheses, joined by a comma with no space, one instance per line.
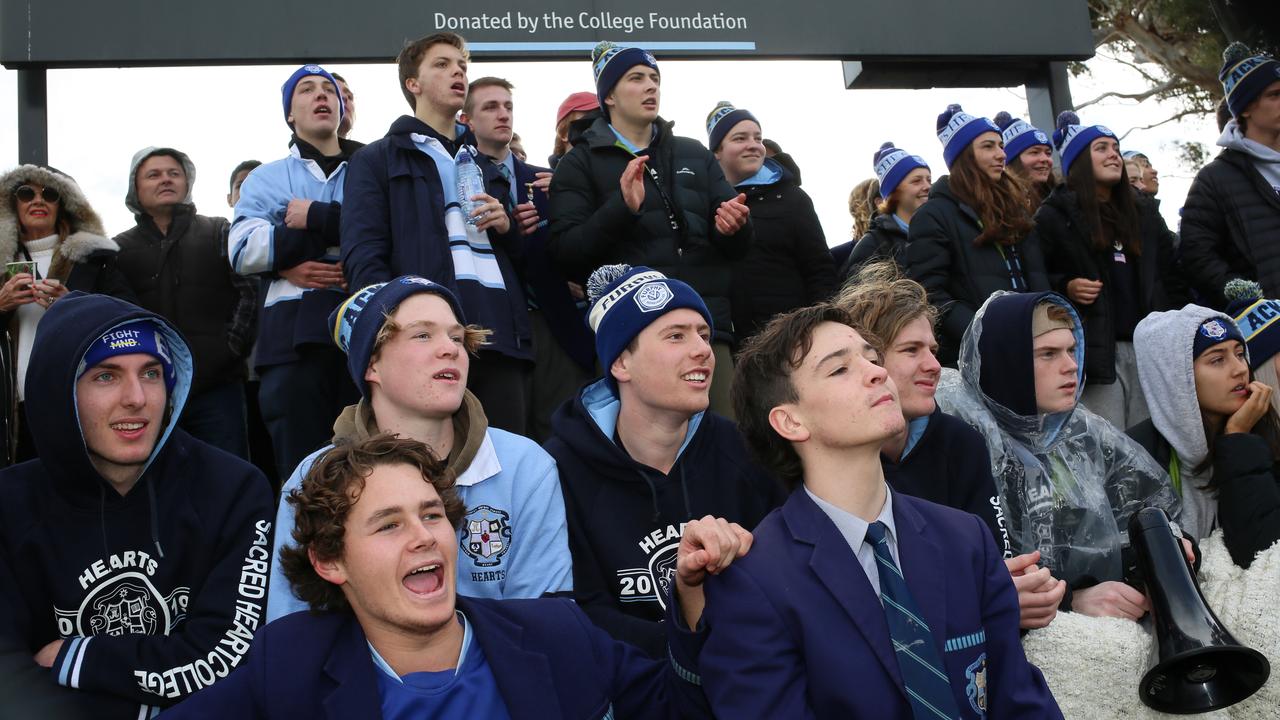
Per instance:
(1249,490)
(885,239)
(185,277)
(1230,228)
(788,266)
(591,224)
(1069,254)
(959,274)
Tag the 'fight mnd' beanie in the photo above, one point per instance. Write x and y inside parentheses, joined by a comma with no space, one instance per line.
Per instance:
(892,165)
(1019,135)
(957,128)
(1072,138)
(286,90)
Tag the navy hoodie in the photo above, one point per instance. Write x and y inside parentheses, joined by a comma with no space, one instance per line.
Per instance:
(950,465)
(625,518)
(156,593)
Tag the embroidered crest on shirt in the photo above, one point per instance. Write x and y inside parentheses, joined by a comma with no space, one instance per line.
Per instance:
(486,535)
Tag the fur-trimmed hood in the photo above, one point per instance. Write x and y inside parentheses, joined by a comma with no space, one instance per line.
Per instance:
(87,234)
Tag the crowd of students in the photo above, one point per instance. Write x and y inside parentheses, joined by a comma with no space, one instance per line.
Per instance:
(619,437)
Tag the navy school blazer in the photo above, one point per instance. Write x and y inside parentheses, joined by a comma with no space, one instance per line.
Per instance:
(549,661)
(795,629)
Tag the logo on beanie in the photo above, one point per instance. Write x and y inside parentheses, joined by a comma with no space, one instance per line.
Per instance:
(163,348)
(1042,138)
(1213,330)
(653,296)
(415,280)
(312,68)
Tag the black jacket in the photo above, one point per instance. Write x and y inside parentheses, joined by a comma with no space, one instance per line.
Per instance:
(1230,228)
(185,277)
(950,465)
(885,239)
(625,518)
(958,274)
(591,224)
(1249,489)
(1069,254)
(788,265)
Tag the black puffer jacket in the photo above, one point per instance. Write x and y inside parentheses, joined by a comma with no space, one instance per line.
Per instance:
(788,265)
(185,277)
(885,239)
(591,224)
(1230,228)
(960,275)
(1249,492)
(1069,254)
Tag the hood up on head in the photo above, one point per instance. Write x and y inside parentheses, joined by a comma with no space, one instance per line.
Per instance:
(63,337)
(86,233)
(996,362)
(131,198)
(1163,343)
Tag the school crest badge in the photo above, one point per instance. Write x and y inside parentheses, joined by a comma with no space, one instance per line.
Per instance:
(653,296)
(486,535)
(976,689)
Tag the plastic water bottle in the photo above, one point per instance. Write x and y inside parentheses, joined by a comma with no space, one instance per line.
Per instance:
(470,184)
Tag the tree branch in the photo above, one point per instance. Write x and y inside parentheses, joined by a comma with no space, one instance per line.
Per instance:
(1166,86)
(1176,116)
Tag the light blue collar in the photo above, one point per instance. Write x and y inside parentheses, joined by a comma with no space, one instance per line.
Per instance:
(901,223)
(603,406)
(462,654)
(768,174)
(915,430)
(628,144)
(854,528)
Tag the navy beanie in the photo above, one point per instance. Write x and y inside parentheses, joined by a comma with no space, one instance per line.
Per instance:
(609,62)
(892,166)
(356,321)
(1019,135)
(1214,332)
(1071,138)
(957,128)
(625,300)
(140,336)
(1244,76)
(286,90)
(723,119)
(1255,319)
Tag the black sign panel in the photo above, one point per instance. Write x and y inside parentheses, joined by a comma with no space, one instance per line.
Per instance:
(76,33)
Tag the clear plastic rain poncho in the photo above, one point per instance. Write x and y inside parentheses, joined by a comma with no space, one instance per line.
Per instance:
(1070,480)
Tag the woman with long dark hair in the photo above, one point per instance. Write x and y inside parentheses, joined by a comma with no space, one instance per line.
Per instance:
(1219,438)
(974,236)
(1028,156)
(1110,253)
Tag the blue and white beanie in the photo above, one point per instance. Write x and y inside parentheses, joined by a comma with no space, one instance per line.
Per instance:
(356,321)
(286,90)
(625,300)
(892,166)
(722,119)
(610,62)
(1019,135)
(1244,76)
(1071,138)
(957,128)
(143,336)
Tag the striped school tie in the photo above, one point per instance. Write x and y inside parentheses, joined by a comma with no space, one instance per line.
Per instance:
(925,678)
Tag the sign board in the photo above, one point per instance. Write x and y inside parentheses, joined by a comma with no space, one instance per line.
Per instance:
(75,33)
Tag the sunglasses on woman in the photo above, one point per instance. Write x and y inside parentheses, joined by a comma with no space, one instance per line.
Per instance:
(26,193)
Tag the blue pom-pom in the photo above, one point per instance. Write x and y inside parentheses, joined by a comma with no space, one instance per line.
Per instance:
(887,145)
(1065,118)
(604,276)
(1003,119)
(954,108)
(1240,289)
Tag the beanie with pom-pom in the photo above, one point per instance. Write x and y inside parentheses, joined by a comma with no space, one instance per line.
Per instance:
(1256,318)
(1019,135)
(625,300)
(957,128)
(1245,75)
(610,62)
(892,165)
(1071,138)
(721,120)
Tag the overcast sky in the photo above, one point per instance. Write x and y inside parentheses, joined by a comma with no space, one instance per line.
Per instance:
(98,118)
